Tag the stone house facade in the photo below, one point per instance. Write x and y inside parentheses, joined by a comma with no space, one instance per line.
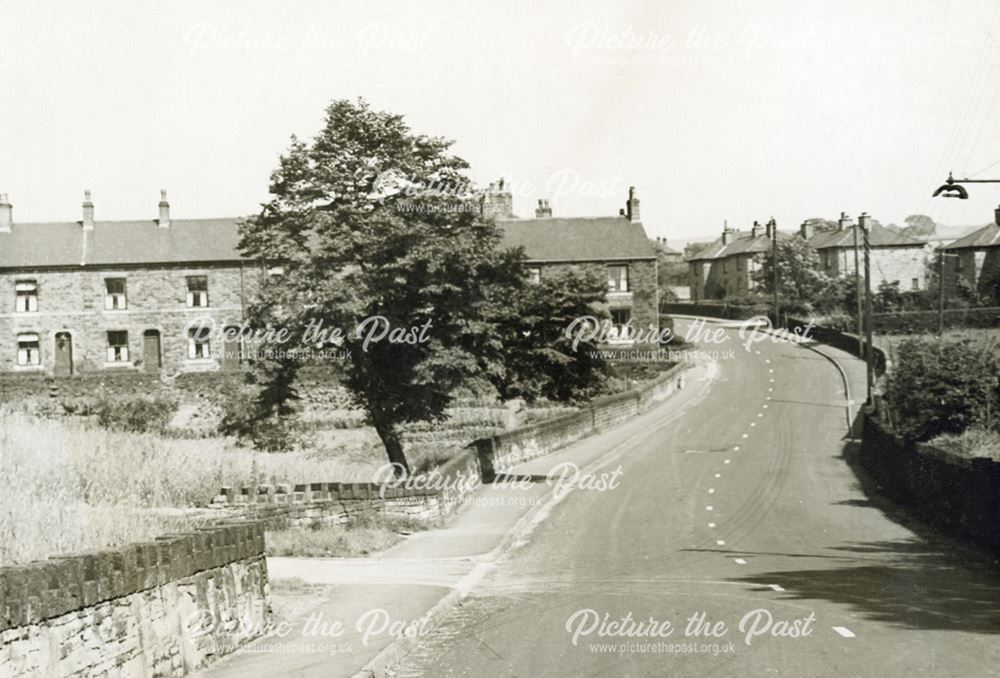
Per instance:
(614,248)
(975,259)
(724,269)
(166,296)
(91,296)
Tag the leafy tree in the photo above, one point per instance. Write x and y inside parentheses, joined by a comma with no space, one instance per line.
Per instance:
(542,361)
(376,232)
(940,387)
(800,277)
(888,298)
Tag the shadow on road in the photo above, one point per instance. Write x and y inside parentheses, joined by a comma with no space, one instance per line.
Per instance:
(911,583)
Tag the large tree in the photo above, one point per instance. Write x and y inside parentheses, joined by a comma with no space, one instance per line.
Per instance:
(800,276)
(377,236)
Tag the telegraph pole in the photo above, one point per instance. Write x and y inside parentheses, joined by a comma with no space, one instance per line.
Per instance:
(844,220)
(773,227)
(869,353)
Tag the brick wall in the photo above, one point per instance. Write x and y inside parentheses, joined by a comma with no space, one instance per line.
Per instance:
(161,608)
(72,302)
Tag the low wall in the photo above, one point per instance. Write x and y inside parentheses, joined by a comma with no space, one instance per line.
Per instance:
(843,340)
(500,452)
(428,498)
(956,494)
(161,608)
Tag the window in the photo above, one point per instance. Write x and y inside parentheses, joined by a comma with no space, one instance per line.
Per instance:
(618,278)
(535,275)
(26,296)
(27,350)
(198,346)
(114,294)
(197,295)
(620,319)
(118,347)
(915,284)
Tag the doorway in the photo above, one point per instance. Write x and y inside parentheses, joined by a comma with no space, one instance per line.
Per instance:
(151,358)
(64,355)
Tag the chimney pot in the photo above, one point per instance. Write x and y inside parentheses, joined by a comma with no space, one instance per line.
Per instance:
(164,221)
(6,214)
(543,210)
(806,230)
(88,212)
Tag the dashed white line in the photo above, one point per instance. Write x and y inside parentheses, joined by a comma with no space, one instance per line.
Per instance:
(726,461)
(771,370)
(760,414)
(711,524)
(720,542)
(775,587)
(709,508)
(746,435)
(711,490)
(718,475)
(844,631)
(737,448)
(753,423)
(765,406)
(739,561)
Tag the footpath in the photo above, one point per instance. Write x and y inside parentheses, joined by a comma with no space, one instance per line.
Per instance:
(373,610)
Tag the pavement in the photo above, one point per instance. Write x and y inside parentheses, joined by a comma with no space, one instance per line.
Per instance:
(739,542)
(364,606)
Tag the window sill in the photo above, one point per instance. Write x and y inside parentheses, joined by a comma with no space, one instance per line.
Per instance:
(29,368)
(119,365)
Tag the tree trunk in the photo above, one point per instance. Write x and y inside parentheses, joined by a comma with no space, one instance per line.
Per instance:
(393,447)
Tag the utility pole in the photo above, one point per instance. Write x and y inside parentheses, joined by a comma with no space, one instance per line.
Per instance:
(844,221)
(940,294)
(773,227)
(869,353)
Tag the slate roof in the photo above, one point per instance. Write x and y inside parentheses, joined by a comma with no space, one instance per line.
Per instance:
(119,242)
(880,236)
(553,239)
(987,236)
(113,243)
(743,242)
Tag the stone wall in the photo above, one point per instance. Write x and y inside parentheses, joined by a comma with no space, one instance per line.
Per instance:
(498,453)
(956,494)
(161,608)
(71,302)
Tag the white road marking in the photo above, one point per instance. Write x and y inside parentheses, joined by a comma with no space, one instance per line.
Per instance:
(767,360)
(844,631)
(709,508)
(753,423)
(746,435)
(760,414)
(772,381)
(718,475)
(737,448)
(765,407)
(757,352)
(711,490)
(720,542)
(740,561)
(711,524)
(775,587)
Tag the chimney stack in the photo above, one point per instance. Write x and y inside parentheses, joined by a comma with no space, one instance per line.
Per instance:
(806,230)
(632,206)
(88,212)
(863,221)
(6,214)
(164,220)
(844,222)
(757,230)
(996,213)
(497,201)
(543,210)
(727,234)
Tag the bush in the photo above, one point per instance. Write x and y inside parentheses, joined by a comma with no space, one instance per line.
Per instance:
(938,387)
(243,417)
(135,414)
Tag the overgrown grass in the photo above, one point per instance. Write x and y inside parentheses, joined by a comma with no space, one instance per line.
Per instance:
(362,536)
(974,442)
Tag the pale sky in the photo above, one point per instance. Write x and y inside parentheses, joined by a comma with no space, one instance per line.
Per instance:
(714,110)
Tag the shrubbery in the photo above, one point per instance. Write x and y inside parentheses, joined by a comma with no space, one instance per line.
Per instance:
(134,414)
(245,418)
(941,387)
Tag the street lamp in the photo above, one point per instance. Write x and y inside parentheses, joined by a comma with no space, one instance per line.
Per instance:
(952,187)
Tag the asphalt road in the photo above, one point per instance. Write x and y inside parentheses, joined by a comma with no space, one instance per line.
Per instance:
(744,511)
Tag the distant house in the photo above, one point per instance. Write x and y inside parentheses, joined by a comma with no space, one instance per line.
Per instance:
(723,269)
(615,248)
(895,256)
(976,260)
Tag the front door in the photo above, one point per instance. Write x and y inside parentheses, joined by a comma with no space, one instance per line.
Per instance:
(231,349)
(64,355)
(151,359)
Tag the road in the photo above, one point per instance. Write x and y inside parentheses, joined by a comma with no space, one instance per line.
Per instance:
(743,510)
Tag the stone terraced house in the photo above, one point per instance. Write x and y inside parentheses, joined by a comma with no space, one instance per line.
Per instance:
(156,295)
(976,259)
(724,268)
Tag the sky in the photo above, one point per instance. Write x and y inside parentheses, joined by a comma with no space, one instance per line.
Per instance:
(714,110)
